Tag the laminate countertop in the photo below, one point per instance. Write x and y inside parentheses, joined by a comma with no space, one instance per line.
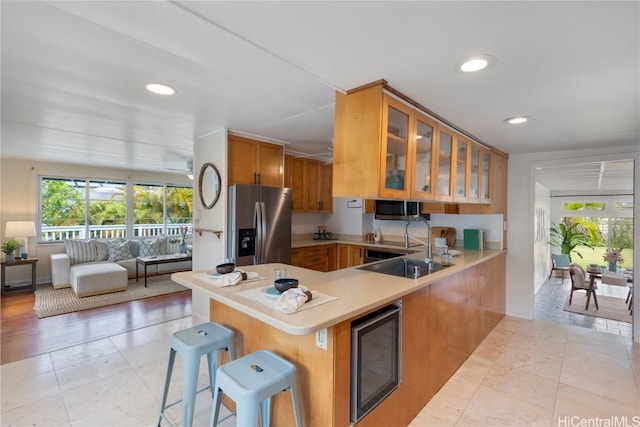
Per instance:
(357,291)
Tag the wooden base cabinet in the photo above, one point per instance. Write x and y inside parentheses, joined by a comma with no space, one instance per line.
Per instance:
(442,324)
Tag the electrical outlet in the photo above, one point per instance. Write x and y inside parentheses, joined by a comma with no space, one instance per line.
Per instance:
(321,338)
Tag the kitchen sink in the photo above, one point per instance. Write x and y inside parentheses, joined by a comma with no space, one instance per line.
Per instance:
(404,267)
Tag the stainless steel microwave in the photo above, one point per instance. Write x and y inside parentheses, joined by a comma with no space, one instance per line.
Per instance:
(397,209)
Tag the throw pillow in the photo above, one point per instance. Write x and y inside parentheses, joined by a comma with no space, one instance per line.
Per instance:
(80,251)
(119,251)
(103,250)
(561,260)
(149,247)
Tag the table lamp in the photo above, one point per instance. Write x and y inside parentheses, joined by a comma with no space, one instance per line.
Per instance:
(21,230)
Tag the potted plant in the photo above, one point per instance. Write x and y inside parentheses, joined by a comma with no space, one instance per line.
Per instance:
(567,237)
(9,247)
(613,257)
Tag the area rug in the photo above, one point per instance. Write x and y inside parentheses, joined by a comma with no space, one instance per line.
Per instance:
(610,308)
(52,302)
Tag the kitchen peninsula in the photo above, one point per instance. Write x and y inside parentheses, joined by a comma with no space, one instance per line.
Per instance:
(445,315)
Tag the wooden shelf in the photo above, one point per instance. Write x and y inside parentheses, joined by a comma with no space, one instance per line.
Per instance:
(206,230)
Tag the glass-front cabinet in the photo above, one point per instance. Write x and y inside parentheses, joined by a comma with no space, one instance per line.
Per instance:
(396,128)
(423,188)
(461,184)
(485,163)
(443,165)
(474,174)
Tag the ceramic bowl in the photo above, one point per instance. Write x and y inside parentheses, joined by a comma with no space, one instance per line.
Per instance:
(225,268)
(282,285)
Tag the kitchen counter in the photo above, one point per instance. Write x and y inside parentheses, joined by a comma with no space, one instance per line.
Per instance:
(357,291)
(445,316)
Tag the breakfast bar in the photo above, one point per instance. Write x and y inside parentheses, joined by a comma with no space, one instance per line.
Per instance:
(445,316)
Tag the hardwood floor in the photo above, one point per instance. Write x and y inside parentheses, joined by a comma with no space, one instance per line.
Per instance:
(23,335)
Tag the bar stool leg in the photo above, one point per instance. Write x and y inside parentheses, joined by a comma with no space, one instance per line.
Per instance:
(189,386)
(295,399)
(265,412)
(247,416)
(212,361)
(167,382)
(217,397)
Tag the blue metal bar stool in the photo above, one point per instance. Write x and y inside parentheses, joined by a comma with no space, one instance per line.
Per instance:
(192,343)
(251,381)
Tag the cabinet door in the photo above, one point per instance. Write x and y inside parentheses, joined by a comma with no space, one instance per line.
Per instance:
(460,179)
(332,257)
(357,255)
(395,144)
(485,164)
(311,185)
(243,155)
(474,174)
(422,156)
(325,190)
(271,165)
(297,184)
(445,146)
(343,256)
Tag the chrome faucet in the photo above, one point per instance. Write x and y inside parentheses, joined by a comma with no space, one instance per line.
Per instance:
(407,236)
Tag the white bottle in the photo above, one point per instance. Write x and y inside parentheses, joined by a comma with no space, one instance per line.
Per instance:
(377,235)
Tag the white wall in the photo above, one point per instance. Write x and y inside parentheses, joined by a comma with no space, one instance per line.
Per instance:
(520,242)
(209,250)
(492,224)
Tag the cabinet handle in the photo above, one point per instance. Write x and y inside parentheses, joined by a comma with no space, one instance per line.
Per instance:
(258,178)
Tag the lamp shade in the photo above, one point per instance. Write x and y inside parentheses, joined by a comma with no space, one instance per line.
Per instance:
(20,229)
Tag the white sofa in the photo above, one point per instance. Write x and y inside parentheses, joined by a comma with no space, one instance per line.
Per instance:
(119,251)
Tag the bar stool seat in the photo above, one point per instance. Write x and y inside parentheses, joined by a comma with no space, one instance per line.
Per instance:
(192,343)
(251,381)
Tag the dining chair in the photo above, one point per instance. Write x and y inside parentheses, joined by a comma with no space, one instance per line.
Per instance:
(580,283)
(559,262)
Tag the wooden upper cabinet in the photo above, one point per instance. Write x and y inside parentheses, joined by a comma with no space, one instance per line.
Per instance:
(311,184)
(397,128)
(386,147)
(255,162)
(445,143)
(460,170)
(422,150)
(325,192)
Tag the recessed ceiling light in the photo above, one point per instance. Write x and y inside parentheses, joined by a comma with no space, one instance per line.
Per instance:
(160,89)
(517,120)
(476,63)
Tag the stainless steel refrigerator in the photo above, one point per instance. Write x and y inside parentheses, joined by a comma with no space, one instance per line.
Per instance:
(259,229)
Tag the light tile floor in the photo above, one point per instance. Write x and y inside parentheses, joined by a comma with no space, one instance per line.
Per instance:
(550,299)
(542,373)
(524,373)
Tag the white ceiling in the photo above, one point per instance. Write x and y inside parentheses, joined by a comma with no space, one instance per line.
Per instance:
(73,73)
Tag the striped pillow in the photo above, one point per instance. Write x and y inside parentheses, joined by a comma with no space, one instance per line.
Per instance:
(80,251)
(119,250)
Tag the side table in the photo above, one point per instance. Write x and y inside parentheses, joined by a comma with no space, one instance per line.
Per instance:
(5,289)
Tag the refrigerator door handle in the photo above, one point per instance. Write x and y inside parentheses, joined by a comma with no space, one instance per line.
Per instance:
(263,237)
(257,222)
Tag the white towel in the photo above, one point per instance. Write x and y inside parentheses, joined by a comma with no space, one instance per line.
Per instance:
(228,279)
(291,300)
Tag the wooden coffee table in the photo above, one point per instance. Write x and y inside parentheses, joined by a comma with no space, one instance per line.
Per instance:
(159,259)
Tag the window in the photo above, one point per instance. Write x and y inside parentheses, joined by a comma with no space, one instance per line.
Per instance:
(91,208)
(161,209)
(610,221)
